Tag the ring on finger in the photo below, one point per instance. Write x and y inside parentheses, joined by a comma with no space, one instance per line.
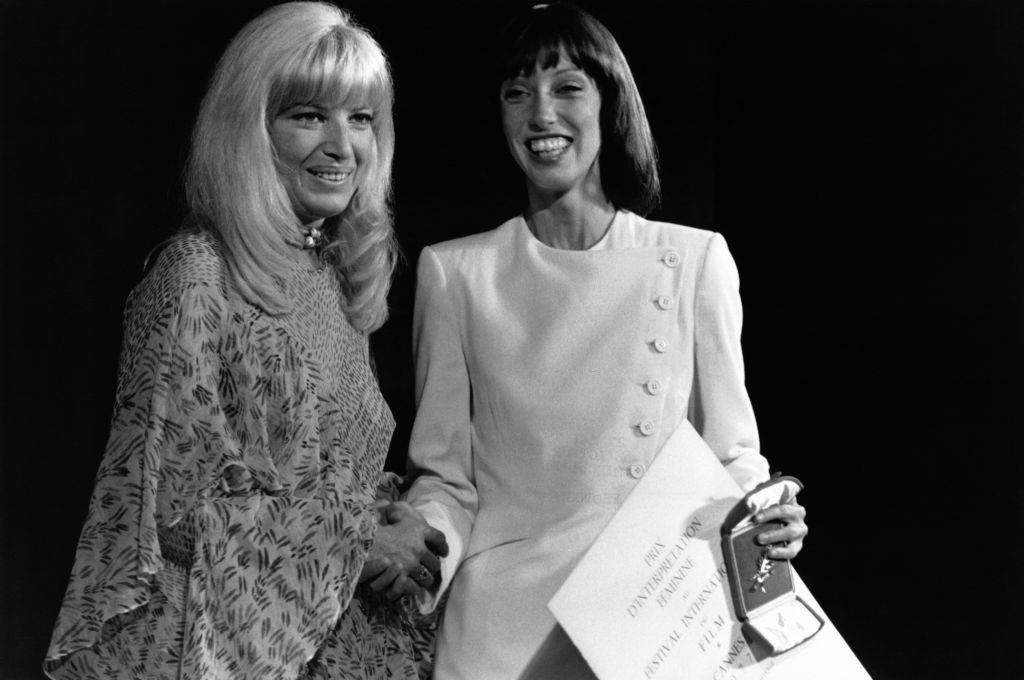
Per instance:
(422,576)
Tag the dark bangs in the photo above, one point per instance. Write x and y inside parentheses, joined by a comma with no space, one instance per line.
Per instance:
(540,36)
(335,71)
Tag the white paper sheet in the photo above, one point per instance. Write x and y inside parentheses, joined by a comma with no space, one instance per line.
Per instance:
(650,599)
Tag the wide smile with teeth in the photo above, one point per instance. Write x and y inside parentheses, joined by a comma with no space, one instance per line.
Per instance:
(334,176)
(548,147)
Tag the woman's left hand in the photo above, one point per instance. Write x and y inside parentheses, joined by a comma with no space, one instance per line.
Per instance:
(404,559)
(786,541)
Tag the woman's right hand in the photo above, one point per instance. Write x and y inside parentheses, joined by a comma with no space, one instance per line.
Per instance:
(404,559)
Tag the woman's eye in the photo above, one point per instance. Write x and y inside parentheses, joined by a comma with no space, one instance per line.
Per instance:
(308,117)
(569,88)
(514,94)
(362,118)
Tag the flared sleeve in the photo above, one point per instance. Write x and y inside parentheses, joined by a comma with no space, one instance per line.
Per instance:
(720,407)
(440,449)
(197,541)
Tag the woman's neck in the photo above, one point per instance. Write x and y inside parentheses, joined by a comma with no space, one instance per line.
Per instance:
(571,221)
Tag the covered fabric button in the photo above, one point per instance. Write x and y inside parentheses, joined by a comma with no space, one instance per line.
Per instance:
(671,259)
(647,428)
(664,301)
(652,386)
(660,345)
(636,470)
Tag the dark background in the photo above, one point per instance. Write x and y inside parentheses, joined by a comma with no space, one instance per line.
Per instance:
(863,159)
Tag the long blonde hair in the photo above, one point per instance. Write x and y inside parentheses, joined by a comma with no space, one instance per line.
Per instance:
(293,53)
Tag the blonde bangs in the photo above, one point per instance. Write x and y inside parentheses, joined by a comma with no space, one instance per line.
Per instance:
(341,69)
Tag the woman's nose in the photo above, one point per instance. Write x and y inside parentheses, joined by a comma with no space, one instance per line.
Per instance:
(543,113)
(337,142)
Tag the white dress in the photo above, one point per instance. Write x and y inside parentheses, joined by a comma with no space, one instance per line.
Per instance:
(547,380)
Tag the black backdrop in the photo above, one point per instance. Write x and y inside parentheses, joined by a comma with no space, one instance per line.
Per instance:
(863,158)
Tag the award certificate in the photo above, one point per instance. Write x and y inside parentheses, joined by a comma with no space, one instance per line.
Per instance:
(650,599)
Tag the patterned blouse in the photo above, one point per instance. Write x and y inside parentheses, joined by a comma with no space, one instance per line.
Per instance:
(229,522)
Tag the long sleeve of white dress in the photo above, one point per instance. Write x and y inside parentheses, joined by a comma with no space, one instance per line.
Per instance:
(720,408)
(441,438)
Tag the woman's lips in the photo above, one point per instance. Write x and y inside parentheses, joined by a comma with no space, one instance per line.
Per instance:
(548,147)
(333,176)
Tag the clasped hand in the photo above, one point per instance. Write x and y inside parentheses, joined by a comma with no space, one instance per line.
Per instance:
(405,556)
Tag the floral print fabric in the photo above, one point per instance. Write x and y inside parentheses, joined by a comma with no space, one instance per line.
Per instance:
(230,517)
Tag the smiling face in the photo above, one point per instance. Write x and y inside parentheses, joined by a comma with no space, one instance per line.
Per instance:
(323,155)
(552,124)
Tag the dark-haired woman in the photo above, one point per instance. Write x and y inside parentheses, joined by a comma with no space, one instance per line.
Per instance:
(557,353)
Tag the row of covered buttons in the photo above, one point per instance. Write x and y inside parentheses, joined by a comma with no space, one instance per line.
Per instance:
(671,259)
(664,302)
(653,386)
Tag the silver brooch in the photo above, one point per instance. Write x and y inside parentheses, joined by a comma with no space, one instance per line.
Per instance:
(764,571)
(314,238)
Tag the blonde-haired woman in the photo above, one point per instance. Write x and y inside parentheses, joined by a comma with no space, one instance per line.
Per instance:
(234,512)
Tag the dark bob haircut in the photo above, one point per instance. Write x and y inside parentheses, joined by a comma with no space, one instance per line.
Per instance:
(629,160)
